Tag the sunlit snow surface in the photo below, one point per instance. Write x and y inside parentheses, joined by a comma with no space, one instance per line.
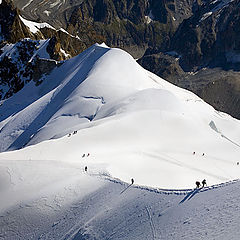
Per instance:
(132,122)
(134,125)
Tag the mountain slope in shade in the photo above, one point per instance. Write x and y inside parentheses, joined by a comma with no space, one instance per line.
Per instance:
(133,123)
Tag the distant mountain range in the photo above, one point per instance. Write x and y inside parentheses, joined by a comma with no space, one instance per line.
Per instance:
(193,44)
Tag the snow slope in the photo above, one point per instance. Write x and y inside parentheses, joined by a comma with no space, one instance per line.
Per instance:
(134,125)
(132,122)
(55,200)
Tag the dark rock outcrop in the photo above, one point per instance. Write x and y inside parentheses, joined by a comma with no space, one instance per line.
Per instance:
(21,64)
(222,90)
(12,28)
(129,24)
(15,71)
(210,38)
(165,66)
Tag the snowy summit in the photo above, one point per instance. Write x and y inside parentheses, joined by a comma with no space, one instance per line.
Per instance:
(79,150)
(134,123)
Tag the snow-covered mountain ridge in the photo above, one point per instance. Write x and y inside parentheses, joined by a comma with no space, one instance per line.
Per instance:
(97,121)
(125,116)
(127,26)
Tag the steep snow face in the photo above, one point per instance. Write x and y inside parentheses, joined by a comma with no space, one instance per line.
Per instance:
(133,124)
(75,91)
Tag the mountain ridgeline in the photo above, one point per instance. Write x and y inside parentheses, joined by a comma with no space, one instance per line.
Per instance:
(191,43)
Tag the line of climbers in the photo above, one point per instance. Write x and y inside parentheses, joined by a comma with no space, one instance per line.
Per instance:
(85,155)
(74,132)
(203,154)
(198,184)
(204,182)
(86,168)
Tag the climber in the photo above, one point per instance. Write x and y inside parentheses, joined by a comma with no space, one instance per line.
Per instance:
(198,184)
(204,182)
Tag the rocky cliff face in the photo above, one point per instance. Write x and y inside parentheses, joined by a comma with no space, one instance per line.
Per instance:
(223,91)
(20,63)
(21,50)
(133,25)
(12,29)
(210,37)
